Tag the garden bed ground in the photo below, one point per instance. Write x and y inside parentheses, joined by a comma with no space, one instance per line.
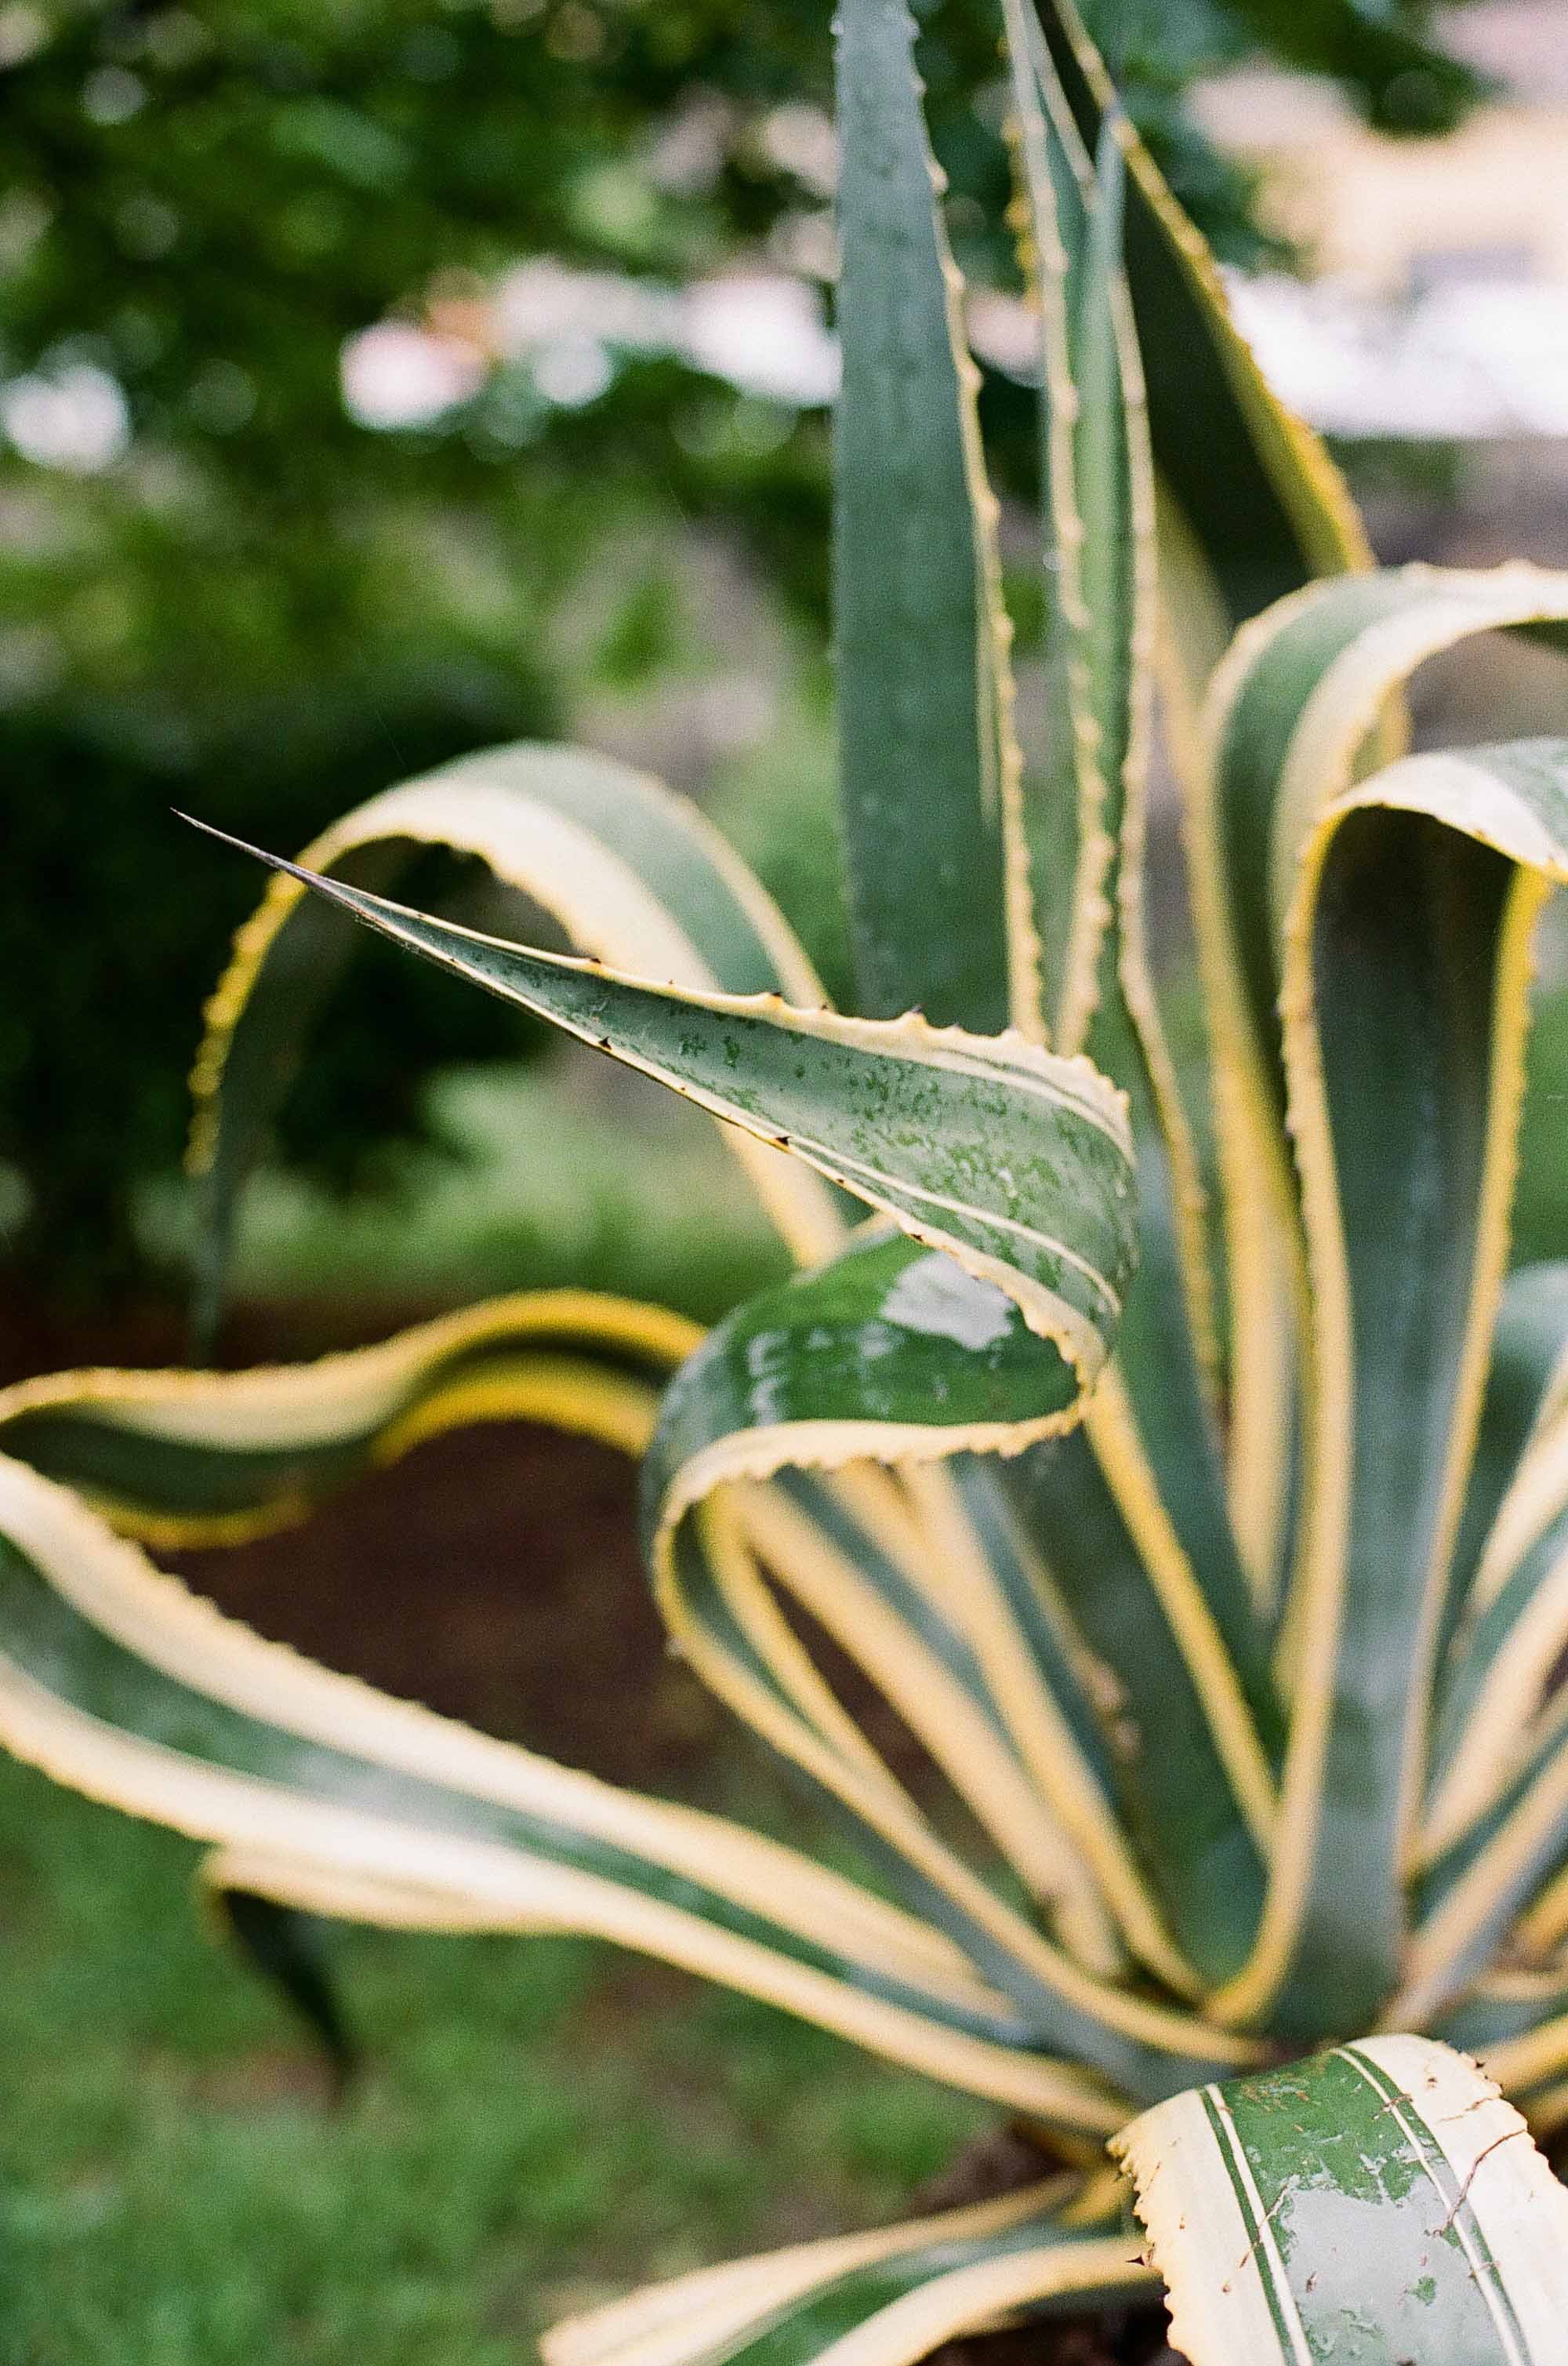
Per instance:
(540,2124)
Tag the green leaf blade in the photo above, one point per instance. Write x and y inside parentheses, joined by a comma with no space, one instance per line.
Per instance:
(1378,2202)
(1393,1027)
(894,2295)
(631,873)
(921,668)
(1017,1164)
(1140,1497)
(318,1793)
(1257,492)
(1173,1787)
(893,1353)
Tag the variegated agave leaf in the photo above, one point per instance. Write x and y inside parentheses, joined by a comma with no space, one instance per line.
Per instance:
(925,684)
(170,1457)
(876,2299)
(318,1792)
(1225,1585)
(985,1346)
(1380,2201)
(1399,1068)
(634,875)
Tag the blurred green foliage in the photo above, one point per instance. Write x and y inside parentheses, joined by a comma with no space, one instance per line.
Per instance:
(507,2158)
(256,607)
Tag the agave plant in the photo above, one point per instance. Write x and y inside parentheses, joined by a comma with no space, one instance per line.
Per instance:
(1212,1543)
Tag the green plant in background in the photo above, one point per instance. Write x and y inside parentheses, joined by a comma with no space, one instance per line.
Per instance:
(257,605)
(1216,1555)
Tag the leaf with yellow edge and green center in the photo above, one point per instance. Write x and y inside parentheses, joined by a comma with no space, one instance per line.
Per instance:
(890,1352)
(181,1458)
(318,1793)
(1507,1617)
(1526,1387)
(1132,1510)
(893,1352)
(1401,1063)
(1013,1162)
(189,1456)
(1380,2202)
(632,874)
(881,2299)
(1249,507)
(1258,496)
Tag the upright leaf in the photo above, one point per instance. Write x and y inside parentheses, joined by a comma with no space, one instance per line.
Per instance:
(1401,1063)
(1250,507)
(928,770)
(1508,1604)
(1258,495)
(1131,1511)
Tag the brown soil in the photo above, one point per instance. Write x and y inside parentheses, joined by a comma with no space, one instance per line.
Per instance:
(494,1574)
(1125,2338)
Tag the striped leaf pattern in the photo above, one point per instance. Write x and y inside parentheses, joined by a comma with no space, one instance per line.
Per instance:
(190,1458)
(880,2300)
(319,1793)
(1258,501)
(1217,1559)
(631,875)
(1399,1068)
(1139,1495)
(1015,1163)
(1379,2202)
